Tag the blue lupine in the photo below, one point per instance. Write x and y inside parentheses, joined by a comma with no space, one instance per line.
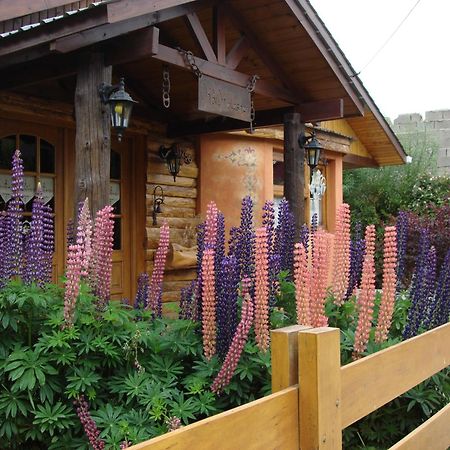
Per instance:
(428,309)
(402,239)
(141,299)
(245,249)
(268,221)
(357,251)
(48,243)
(285,236)
(304,236)
(227,306)
(187,302)
(442,310)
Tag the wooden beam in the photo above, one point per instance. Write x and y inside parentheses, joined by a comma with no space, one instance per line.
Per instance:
(11,10)
(199,35)
(172,56)
(219,41)
(142,44)
(93,134)
(237,52)
(108,31)
(356,161)
(294,172)
(310,112)
(127,9)
(255,42)
(92,17)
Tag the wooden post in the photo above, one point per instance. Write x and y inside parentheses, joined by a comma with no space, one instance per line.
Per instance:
(284,347)
(320,389)
(294,175)
(93,134)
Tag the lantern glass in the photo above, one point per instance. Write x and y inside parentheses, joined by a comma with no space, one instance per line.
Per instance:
(174,163)
(120,113)
(313,149)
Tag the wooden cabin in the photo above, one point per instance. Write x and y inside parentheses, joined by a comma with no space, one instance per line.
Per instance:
(274,64)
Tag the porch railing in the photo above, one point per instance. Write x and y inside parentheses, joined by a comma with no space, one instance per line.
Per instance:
(315,398)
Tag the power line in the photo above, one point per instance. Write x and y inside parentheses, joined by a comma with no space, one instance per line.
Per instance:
(389,38)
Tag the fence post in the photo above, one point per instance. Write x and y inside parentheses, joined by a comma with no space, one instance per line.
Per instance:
(320,389)
(284,348)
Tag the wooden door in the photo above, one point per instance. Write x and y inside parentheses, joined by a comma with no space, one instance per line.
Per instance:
(42,152)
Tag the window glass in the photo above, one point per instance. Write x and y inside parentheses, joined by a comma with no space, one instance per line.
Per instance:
(115,169)
(117,241)
(278,172)
(28,148)
(7,148)
(47,157)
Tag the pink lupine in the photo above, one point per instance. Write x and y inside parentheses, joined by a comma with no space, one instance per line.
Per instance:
(246,285)
(366,297)
(211,225)
(319,277)
(302,277)
(84,236)
(208,304)
(101,258)
(389,284)
(262,290)
(89,425)
(155,291)
(225,374)
(72,283)
(341,262)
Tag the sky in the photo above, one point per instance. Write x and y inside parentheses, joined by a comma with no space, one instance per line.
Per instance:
(412,73)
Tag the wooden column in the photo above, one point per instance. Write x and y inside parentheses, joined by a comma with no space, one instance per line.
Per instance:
(294,174)
(93,133)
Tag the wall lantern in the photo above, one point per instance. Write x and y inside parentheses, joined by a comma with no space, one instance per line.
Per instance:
(121,105)
(313,149)
(158,200)
(174,157)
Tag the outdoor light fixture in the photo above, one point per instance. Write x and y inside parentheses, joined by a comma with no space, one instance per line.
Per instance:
(120,103)
(158,200)
(174,157)
(312,147)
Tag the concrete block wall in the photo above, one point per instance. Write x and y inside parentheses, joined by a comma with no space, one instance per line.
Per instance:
(437,125)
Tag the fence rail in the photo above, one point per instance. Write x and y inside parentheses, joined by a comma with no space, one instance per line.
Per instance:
(315,398)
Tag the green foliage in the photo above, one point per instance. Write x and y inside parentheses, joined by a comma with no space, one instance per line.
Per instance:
(376,195)
(136,372)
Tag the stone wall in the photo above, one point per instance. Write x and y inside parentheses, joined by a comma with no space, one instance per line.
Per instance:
(437,127)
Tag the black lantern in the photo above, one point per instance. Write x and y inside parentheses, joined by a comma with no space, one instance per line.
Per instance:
(174,157)
(158,200)
(312,147)
(121,105)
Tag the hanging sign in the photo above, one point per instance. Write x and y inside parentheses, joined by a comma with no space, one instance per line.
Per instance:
(224,99)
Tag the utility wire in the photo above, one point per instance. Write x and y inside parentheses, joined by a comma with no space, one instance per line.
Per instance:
(388,39)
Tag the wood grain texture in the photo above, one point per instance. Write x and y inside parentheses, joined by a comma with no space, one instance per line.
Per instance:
(320,389)
(267,423)
(284,345)
(434,434)
(377,379)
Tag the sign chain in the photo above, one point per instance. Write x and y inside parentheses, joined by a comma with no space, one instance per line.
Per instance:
(166,87)
(251,88)
(190,59)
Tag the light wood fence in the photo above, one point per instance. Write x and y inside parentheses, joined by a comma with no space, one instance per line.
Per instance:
(314,398)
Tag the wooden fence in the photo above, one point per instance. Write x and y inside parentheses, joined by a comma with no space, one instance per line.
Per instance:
(314,398)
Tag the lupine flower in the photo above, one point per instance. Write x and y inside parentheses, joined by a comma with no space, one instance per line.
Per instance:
(389,284)
(188,302)
(302,279)
(314,223)
(143,286)
(208,304)
(173,423)
(304,236)
(225,374)
(211,225)
(84,236)
(341,266)
(72,283)
(442,312)
(285,236)
(220,239)
(274,270)
(268,221)
(428,310)
(319,273)
(246,287)
(102,248)
(402,239)
(245,249)
(155,291)
(14,249)
(366,297)
(33,270)
(233,242)
(124,445)
(227,307)
(48,244)
(89,425)
(357,251)
(4,222)
(70,231)
(262,290)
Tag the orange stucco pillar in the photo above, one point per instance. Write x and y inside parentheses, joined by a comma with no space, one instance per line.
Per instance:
(334,193)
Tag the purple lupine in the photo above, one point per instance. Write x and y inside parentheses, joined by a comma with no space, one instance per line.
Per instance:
(200,250)
(285,236)
(442,311)
(428,310)
(274,270)
(188,305)
(4,222)
(314,224)
(70,231)
(48,243)
(14,247)
(420,289)
(268,221)
(220,240)
(357,251)
(89,425)
(304,236)
(245,250)
(402,238)
(227,306)
(233,242)
(140,301)
(34,270)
